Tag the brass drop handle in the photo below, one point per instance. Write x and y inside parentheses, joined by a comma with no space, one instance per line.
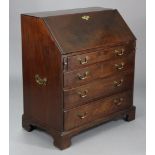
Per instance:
(85,61)
(83,94)
(120,66)
(118,101)
(84,76)
(40,81)
(119,52)
(82,115)
(118,83)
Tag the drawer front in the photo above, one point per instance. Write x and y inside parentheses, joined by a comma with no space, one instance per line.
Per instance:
(98,70)
(96,110)
(83,60)
(97,88)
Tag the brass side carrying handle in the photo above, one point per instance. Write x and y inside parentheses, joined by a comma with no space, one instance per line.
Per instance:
(84,76)
(85,61)
(40,81)
(120,66)
(118,101)
(120,52)
(82,115)
(118,83)
(83,94)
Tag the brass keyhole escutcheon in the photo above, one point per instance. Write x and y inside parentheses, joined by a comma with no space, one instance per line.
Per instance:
(85,17)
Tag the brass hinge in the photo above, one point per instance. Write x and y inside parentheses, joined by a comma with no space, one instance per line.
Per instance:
(65,63)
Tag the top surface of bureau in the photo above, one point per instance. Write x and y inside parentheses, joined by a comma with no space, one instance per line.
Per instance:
(83,29)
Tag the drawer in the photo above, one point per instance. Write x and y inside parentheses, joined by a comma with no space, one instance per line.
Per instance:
(96,110)
(97,88)
(83,60)
(99,70)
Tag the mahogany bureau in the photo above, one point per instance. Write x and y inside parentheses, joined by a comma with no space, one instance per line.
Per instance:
(78,71)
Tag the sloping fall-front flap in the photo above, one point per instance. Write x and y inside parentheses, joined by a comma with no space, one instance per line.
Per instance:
(80,31)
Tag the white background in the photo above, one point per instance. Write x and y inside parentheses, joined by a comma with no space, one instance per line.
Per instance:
(111,139)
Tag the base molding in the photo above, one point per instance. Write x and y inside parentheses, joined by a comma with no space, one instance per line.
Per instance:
(62,140)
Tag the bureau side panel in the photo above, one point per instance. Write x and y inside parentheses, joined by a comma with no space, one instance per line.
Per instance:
(41,62)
